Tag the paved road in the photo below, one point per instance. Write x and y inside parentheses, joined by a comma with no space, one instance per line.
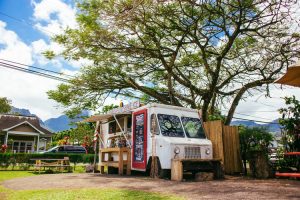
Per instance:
(231,188)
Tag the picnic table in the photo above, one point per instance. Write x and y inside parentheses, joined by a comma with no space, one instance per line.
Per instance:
(59,164)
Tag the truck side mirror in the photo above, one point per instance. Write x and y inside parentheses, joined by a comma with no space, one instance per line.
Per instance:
(154,125)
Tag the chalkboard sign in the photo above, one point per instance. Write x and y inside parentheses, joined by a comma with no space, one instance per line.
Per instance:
(139,138)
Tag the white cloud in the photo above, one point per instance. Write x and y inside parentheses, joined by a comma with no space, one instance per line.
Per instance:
(29,91)
(56,14)
(69,72)
(53,17)
(14,49)
(79,63)
(25,90)
(41,46)
(261,108)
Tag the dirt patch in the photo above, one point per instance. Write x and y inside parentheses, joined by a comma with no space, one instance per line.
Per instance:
(230,188)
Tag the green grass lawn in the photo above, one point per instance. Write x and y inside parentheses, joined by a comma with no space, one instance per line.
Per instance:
(70,194)
(103,194)
(6,175)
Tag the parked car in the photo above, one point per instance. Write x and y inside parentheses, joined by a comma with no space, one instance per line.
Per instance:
(273,158)
(67,149)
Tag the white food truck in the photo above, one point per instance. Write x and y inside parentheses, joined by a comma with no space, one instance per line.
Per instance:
(154,130)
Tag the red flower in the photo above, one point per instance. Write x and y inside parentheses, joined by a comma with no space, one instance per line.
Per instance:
(3,148)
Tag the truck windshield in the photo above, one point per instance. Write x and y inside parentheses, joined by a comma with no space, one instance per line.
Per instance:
(193,127)
(170,125)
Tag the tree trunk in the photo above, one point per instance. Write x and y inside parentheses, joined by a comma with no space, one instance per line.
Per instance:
(204,110)
(259,165)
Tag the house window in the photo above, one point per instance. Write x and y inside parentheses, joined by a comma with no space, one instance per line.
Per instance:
(22,146)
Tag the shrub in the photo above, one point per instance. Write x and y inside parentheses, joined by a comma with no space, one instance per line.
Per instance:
(11,159)
(252,140)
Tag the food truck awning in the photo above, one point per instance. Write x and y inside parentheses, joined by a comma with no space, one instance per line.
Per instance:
(103,117)
(126,110)
(292,76)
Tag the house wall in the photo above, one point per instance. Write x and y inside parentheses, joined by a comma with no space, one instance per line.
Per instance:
(2,138)
(24,128)
(23,138)
(18,139)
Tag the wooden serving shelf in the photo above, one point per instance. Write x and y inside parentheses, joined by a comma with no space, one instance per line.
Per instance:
(120,164)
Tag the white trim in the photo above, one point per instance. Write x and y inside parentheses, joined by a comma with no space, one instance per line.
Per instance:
(38,144)
(6,138)
(22,133)
(7,129)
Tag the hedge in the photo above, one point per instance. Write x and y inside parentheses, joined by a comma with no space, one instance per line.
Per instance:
(7,159)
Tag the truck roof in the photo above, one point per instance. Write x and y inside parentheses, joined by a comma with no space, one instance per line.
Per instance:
(124,112)
(157,105)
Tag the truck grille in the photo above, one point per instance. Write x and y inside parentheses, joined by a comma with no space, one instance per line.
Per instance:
(192,152)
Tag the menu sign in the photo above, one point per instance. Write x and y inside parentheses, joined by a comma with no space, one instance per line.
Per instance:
(125,108)
(139,138)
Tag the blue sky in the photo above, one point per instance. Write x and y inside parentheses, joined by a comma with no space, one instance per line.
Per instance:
(24,38)
(25,31)
(22,10)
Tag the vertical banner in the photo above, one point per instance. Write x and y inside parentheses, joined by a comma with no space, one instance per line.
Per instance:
(139,149)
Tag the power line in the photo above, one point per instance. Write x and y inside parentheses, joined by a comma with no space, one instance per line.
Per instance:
(22,69)
(32,72)
(46,70)
(255,120)
(251,116)
(263,111)
(264,104)
(243,114)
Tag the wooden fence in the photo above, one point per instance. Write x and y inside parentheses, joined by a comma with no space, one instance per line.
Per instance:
(226,145)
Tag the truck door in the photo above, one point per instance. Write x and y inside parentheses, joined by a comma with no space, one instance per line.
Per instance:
(139,138)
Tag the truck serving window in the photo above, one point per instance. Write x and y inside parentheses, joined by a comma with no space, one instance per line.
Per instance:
(170,125)
(193,127)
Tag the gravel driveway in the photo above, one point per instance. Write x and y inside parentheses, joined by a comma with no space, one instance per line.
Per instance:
(231,188)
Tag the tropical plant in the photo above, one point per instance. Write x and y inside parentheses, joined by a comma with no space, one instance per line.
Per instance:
(253,139)
(76,136)
(291,123)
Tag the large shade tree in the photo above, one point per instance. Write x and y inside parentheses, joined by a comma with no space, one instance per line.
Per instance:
(199,54)
(5,106)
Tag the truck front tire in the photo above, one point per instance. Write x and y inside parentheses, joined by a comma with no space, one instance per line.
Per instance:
(155,170)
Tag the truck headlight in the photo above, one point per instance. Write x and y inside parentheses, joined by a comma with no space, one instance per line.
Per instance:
(176,150)
(207,151)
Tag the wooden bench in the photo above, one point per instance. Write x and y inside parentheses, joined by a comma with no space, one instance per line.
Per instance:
(60,164)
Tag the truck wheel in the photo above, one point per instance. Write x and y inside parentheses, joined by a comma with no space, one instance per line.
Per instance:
(165,173)
(153,167)
(155,170)
(218,170)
